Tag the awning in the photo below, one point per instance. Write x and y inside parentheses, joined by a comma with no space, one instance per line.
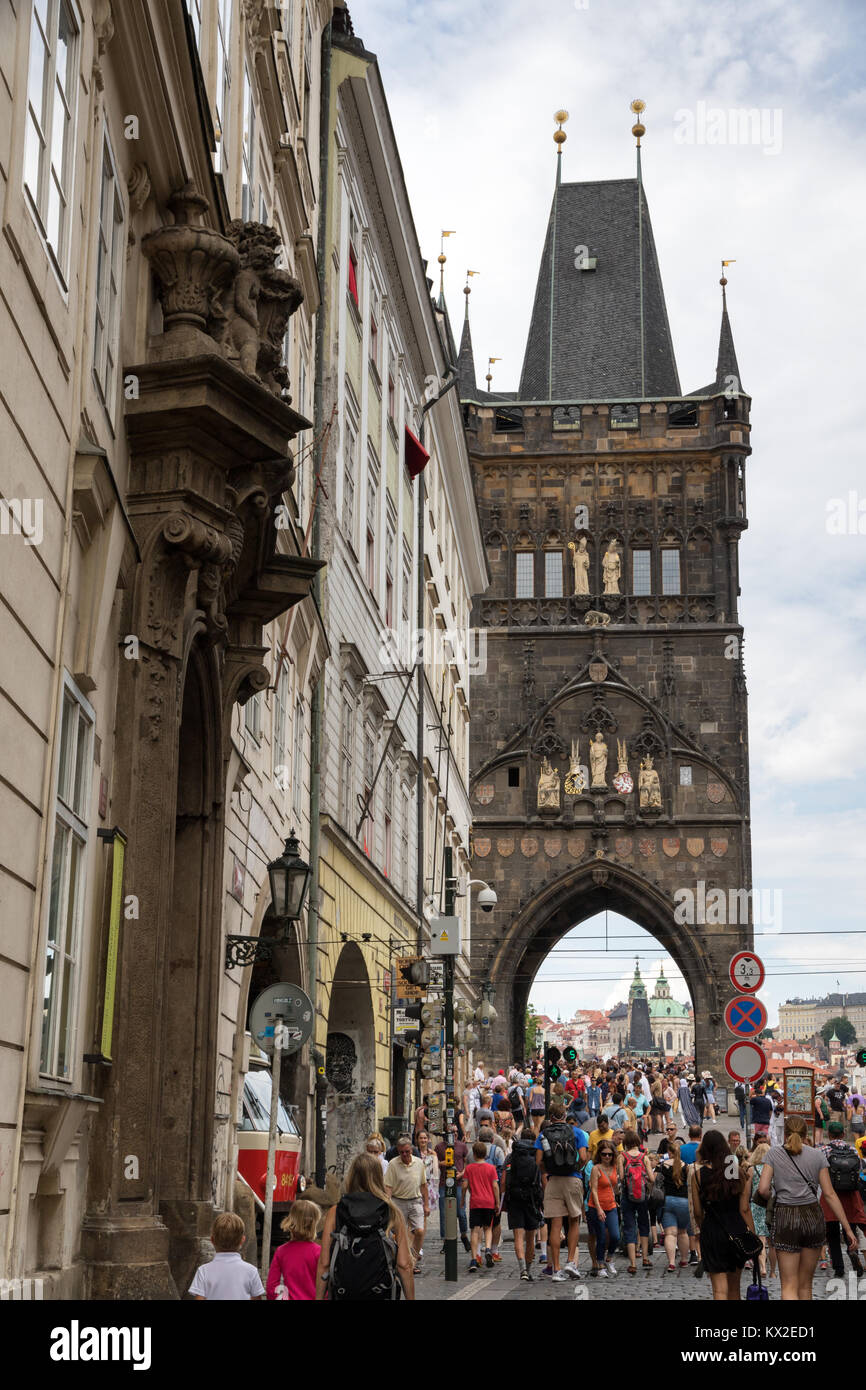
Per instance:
(416,455)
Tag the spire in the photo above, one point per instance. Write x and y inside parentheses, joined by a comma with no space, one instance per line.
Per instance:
(727,367)
(442,258)
(466,359)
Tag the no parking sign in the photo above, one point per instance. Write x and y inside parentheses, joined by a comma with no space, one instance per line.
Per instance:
(745,1016)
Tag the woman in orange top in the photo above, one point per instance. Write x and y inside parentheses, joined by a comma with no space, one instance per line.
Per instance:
(603,1216)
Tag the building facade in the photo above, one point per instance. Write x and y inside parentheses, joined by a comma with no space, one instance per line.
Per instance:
(386,581)
(610,768)
(803,1018)
(158,271)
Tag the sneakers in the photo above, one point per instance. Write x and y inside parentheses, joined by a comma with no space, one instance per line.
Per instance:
(488,1259)
(693,1257)
(572,1269)
(548,1269)
(611,1268)
(529,1275)
(601,1272)
(473,1267)
(496,1257)
(524,1276)
(558,1277)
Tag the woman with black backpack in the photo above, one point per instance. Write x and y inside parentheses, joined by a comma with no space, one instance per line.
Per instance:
(365,1254)
(522,1199)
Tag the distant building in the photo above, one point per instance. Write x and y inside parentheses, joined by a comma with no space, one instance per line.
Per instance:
(672,1023)
(800,1018)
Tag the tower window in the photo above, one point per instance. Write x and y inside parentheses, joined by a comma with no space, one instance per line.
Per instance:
(670,572)
(525,563)
(641,572)
(553,573)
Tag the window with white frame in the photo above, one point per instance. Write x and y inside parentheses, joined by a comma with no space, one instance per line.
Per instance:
(375,311)
(404,841)
(223,84)
(108,271)
(372,514)
(68,883)
(288,8)
(406,597)
(248,151)
(347,755)
(389,573)
(350,469)
(298,758)
(51,100)
(194,11)
(281,705)
(253,717)
(353,260)
(387,816)
(308,78)
(524,563)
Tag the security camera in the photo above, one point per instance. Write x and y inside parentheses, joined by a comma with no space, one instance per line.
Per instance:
(487,899)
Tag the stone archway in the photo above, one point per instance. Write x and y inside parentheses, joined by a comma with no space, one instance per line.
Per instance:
(566,901)
(350,1060)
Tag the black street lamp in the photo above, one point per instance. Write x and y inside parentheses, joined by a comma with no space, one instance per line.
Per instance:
(289,877)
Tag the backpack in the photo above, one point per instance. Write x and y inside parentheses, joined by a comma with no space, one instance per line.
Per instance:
(363,1256)
(560,1149)
(739,1091)
(635,1178)
(522,1171)
(844,1165)
(518,1104)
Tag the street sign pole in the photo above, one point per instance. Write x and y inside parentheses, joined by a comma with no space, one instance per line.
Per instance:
(270,1181)
(450,1105)
(546,1083)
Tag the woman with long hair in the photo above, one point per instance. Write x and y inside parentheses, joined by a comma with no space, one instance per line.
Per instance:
(760,1149)
(536,1104)
(676,1223)
(602,1207)
(636,1179)
(431,1168)
(798,1174)
(365,1210)
(710,1094)
(723,1214)
(658,1107)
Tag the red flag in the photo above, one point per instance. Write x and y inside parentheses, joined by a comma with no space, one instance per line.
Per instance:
(416,455)
(353,281)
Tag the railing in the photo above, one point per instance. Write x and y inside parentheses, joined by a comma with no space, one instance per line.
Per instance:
(572,610)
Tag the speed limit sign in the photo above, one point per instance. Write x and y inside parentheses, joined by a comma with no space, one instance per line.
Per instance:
(746,972)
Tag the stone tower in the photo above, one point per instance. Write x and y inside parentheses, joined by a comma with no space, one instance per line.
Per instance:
(609,751)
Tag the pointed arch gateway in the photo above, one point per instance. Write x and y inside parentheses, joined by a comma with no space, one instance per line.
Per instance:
(565,902)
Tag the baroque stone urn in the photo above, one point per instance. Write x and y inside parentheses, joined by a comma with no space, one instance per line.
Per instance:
(193,265)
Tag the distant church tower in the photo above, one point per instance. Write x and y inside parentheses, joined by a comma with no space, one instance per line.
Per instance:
(640,1034)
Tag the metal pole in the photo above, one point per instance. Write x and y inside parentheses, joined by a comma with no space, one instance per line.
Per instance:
(270,1181)
(450,1099)
(748,1116)
(546,1083)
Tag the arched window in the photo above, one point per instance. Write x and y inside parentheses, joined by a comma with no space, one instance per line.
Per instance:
(670,1041)
(671,582)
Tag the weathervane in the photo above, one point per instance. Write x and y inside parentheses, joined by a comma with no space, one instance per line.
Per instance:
(489,376)
(724,279)
(442,258)
(467,288)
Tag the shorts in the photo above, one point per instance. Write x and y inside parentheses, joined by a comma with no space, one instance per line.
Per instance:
(563,1197)
(481,1216)
(798,1228)
(676,1213)
(412,1209)
(523,1217)
(763,1130)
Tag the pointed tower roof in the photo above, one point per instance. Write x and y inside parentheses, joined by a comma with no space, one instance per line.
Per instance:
(587,335)
(466,359)
(727,366)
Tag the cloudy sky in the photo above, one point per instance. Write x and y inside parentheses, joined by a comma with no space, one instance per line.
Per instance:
(472,89)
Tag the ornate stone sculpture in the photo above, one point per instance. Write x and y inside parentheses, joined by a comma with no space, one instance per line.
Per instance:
(249,321)
(611,567)
(580,561)
(649,786)
(598,759)
(623,780)
(548,785)
(575,782)
(193,265)
(596,619)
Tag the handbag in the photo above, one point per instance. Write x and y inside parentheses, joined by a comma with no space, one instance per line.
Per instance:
(756,1293)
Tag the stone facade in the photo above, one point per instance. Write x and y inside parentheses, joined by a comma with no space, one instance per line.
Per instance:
(661,672)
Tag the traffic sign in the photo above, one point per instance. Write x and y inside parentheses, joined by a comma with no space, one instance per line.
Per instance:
(746,971)
(745,1061)
(745,1016)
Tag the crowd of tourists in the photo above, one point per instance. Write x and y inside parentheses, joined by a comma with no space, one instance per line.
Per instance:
(613,1159)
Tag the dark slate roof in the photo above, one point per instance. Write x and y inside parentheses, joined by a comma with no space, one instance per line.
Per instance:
(726,363)
(466,364)
(596,318)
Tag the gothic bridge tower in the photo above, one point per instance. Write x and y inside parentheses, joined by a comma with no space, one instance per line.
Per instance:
(609,747)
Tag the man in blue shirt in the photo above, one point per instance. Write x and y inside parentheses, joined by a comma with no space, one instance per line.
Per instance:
(688,1152)
(563,1192)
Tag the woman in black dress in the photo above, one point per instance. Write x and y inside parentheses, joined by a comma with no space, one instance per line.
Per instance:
(722,1210)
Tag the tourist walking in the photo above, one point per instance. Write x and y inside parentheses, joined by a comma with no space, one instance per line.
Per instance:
(636,1179)
(406,1184)
(723,1217)
(797,1174)
(602,1213)
(675,1212)
(688,1114)
(365,1252)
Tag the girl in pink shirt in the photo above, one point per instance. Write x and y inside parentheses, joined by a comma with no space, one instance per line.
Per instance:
(295,1262)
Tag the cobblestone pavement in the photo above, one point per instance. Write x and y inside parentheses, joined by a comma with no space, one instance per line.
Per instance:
(502,1281)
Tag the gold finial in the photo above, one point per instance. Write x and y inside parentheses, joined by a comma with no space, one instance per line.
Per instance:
(723,280)
(489,376)
(467,288)
(638,129)
(559,135)
(441,258)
